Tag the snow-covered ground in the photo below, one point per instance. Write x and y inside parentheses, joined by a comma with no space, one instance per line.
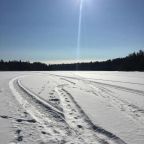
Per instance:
(72,107)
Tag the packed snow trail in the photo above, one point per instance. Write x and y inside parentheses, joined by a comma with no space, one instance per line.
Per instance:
(72,107)
(115,106)
(58,127)
(16,125)
(49,120)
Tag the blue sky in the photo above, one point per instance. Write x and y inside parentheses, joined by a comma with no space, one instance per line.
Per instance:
(46,30)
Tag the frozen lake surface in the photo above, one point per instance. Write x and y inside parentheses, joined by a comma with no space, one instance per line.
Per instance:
(72,107)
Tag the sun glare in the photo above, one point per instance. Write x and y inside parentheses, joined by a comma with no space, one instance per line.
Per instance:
(79,28)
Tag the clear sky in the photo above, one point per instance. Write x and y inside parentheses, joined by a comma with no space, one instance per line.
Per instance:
(46,30)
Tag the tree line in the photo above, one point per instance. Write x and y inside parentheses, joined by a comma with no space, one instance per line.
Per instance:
(132,62)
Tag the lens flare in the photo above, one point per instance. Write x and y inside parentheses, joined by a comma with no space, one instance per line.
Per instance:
(79,30)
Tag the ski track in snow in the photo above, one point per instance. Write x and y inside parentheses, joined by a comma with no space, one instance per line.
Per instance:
(100,89)
(129,109)
(87,80)
(71,125)
(60,117)
(78,120)
(48,119)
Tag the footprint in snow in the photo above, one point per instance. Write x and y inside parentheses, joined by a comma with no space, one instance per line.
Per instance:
(18,120)
(43,132)
(19,137)
(25,114)
(18,131)
(79,126)
(4,117)
(30,121)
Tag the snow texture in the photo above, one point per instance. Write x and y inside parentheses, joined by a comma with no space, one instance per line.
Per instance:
(72,107)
